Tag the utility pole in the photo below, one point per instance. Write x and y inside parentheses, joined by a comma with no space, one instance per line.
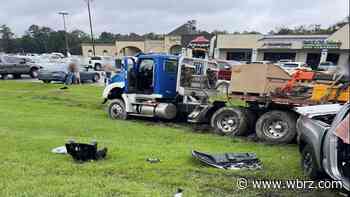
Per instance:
(64,14)
(91,31)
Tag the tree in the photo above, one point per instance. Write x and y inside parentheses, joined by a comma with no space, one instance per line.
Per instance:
(106,37)
(7,42)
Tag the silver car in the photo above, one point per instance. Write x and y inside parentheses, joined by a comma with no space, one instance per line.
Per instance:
(323,150)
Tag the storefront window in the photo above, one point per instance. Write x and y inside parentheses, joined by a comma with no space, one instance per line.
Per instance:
(239,56)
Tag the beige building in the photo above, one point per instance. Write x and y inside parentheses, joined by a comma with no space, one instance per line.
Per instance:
(311,49)
(101,49)
(172,43)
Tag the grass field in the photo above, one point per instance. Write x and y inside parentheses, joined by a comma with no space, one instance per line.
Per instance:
(34,118)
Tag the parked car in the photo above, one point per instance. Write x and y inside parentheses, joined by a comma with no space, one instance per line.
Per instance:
(323,136)
(58,73)
(290,67)
(327,66)
(261,62)
(17,67)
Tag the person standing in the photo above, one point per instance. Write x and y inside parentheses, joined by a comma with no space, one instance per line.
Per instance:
(70,75)
(108,69)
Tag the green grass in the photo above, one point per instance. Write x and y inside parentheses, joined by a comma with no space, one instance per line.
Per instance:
(34,118)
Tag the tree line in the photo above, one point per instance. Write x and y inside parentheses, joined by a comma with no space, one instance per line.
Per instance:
(41,39)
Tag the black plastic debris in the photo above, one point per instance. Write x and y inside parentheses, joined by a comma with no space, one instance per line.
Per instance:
(85,152)
(179,192)
(153,160)
(229,160)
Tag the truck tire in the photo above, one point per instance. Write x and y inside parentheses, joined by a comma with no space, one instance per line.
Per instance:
(278,127)
(98,67)
(34,73)
(117,110)
(308,163)
(230,121)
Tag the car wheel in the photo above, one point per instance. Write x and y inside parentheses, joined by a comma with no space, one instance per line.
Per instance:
(96,78)
(34,73)
(230,121)
(98,67)
(277,127)
(17,76)
(308,163)
(4,77)
(117,110)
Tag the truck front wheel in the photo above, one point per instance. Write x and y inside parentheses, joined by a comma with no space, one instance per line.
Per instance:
(117,110)
(277,127)
(230,121)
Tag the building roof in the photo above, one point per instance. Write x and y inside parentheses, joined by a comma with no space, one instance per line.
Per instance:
(185,29)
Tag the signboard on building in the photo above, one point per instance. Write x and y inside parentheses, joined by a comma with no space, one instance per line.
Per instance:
(279,45)
(321,44)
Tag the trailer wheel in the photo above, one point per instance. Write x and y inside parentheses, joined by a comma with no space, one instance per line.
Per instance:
(276,127)
(230,121)
(116,109)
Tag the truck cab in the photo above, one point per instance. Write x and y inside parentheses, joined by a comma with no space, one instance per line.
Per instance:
(154,85)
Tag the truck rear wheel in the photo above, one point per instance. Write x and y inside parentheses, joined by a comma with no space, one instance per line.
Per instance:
(117,110)
(277,127)
(230,121)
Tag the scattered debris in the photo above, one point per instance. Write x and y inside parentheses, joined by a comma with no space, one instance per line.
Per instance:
(153,160)
(60,150)
(64,88)
(178,192)
(85,152)
(230,161)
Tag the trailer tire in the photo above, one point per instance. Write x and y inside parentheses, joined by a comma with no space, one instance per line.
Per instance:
(117,110)
(278,127)
(230,121)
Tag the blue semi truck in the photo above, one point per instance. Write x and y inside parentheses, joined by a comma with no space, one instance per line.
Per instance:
(167,87)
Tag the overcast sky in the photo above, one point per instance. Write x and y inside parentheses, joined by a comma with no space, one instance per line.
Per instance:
(161,16)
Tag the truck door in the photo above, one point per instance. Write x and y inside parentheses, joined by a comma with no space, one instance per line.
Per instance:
(166,74)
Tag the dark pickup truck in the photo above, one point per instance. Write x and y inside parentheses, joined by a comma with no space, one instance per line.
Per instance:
(11,65)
